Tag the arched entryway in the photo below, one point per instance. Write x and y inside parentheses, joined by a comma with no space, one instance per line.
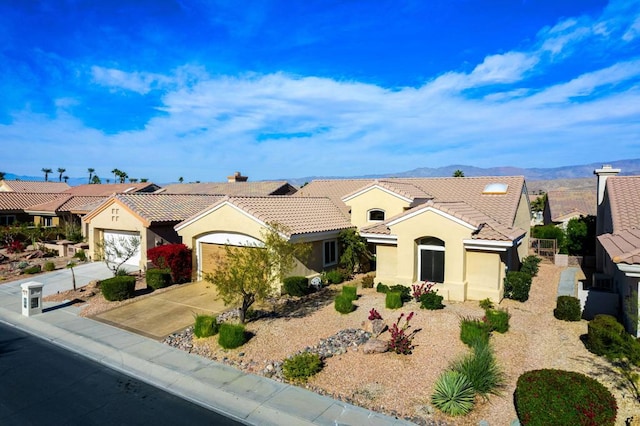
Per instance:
(431,259)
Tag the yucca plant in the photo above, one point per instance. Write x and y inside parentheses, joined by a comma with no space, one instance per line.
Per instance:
(453,393)
(481,368)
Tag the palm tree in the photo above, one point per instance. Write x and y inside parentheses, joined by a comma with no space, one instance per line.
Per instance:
(123,176)
(116,173)
(458,173)
(66,178)
(180,179)
(144,179)
(133,180)
(90,170)
(96,180)
(61,171)
(46,174)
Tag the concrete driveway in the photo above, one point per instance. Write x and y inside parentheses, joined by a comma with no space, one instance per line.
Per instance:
(161,314)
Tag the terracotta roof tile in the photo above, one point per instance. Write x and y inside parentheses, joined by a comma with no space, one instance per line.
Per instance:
(65,203)
(622,247)
(166,207)
(231,188)
(19,201)
(34,186)
(109,189)
(563,204)
(624,198)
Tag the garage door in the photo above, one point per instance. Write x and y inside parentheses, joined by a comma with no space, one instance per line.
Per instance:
(211,249)
(119,240)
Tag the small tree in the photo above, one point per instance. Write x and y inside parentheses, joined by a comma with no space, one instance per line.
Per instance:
(91,170)
(353,249)
(116,252)
(247,274)
(46,172)
(61,172)
(70,265)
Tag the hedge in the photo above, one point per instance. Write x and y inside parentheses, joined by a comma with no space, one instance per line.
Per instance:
(158,278)
(118,288)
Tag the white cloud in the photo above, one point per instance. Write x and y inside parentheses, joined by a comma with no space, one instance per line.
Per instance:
(507,68)
(139,82)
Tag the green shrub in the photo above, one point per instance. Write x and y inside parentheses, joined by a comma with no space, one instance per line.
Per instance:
(517,285)
(350,291)
(81,255)
(482,370)
(367,281)
(530,265)
(32,270)
(334,276)
(344,304)
(474,331)
(158,278)
(453,394)
(296,286)
(49,266)
(122,272)
(431,300)
(118,288)
(23,265)
(405,292)
(557,397)
(607,337)
(393,300)
(567,308)
(497,319)
(302,366)
(486,304)
(205,326)
(231,336)
(382,288)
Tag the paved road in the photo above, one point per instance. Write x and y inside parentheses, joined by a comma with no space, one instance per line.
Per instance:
(42,384)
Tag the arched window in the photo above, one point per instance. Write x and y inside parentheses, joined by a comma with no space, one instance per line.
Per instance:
(431,259)
(376,215)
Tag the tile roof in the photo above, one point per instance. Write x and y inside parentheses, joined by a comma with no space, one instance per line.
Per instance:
(34,186)
(14,201)
(65,203)
(501,207)
(623,193)
(564,204)
(623,247)
(300,215)
(109,189)
(230,188)
(156,208)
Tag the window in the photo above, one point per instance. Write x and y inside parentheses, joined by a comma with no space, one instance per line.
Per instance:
(7,220)
(47,221)
(376,215)
(330,252)
(431,259)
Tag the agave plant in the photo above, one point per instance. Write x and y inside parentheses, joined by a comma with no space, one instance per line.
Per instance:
(453,394)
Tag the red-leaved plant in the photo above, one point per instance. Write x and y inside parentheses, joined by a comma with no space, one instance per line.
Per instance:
(420,289)
(401,341)
(374,315)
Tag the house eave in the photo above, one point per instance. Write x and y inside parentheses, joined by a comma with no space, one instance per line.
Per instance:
(380,238)
(487,245)
(629,270)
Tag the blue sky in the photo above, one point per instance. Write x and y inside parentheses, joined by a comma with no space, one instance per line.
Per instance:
(275,89)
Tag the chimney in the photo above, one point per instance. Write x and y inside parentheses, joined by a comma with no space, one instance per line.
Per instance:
(237,177)
(603,175)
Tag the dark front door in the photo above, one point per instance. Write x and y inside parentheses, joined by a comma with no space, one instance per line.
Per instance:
(432,265)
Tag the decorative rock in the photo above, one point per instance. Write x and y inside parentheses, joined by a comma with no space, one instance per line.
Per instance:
(375,346)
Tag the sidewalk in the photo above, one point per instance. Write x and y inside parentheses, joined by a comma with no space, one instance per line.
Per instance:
(247,398)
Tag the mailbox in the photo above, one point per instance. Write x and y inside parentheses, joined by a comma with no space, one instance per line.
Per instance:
(31,298)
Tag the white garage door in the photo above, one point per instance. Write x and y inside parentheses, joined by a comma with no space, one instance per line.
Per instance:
(117,239)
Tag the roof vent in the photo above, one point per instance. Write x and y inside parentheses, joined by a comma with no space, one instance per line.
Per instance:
(495,188)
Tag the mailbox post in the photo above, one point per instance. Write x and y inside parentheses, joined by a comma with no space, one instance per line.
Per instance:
(31,298)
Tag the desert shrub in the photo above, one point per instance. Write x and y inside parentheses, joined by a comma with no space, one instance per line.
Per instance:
(481,368)
(367,281)
(176,257)
(558,397)
(567,308)
(15,247)
(302,366)
(35,269)
(350,291)
(205,326)
(23,264)
(49,266)
(393,300)
(344,304)
(296,286)
(118,288)
(334,276)
(158,278)
(453,393)
(517,285)
(417,290)
(530,265)
(382,288)
(474,331)
(405,292)
(486,304)
(231,336)
(81,255)
(607,337)
(497,320)
(431,300)
(121,272)
(401,341)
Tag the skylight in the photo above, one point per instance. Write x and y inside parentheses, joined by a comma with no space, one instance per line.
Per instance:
(495,188)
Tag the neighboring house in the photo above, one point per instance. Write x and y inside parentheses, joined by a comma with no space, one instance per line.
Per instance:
(32,186)
(618,241)
(231,188)
(242,221)
(564,205)
(13,205)
(463,233)
(148,217)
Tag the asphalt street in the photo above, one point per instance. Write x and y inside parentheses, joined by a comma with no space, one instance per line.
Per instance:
(43,384)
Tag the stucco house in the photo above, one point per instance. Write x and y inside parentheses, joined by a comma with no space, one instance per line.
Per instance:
(32,186)
(14,204)
(463,233)
(618,241)
(564,205)
(242,221)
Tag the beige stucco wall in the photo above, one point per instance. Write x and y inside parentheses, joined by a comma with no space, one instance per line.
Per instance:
(523,221)
(485,275)
(387,264)
(376,199)
(115,217)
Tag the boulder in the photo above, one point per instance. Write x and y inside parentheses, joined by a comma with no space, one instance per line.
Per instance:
(375,346)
